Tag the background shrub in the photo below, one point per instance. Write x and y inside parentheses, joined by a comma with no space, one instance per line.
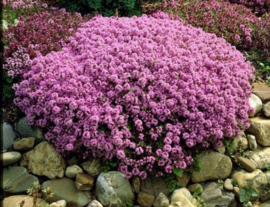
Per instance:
(145,90)
(104,7)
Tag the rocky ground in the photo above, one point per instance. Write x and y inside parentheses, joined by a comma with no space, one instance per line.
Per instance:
(27,158)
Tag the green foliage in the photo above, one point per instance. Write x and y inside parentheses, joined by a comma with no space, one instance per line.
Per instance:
(178,172)
(7,90)
(220,181)
(171,182)
(35,192)
(110,164)
(104,7)
(196,163)
(234,182)
(129,203)
(246,193)
(200,201)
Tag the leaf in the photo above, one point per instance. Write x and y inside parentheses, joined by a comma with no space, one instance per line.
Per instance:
(129,203)
(178,172)
(73,160)
(253,192)
(244,195)
(197,191)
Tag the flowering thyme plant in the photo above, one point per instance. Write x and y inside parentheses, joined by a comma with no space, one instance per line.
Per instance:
(143,89)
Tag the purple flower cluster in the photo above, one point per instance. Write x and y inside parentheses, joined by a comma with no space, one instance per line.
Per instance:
(258,6)
(144,89)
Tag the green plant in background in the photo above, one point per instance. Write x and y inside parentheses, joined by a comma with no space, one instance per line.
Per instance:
(104,7)
(110,164)
(171,182)
(234,182)
(246,193)
(196,163)
(35,192)
(200,201)
(7,90)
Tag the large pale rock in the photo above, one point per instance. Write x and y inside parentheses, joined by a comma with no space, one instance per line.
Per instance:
(145,199)
(257,179)
(44,160)
(261,157)
(214,195)
(24,144)
(17,180)
(8,136)
(182,197)
(260,128)
(65,189)
(25,130)
(154,188)
(256,103)
(72,171)
(262,91)
(265,204)
(9,158)
(214,166)
(93,166)
(113,189)
(16,200)
(266,109)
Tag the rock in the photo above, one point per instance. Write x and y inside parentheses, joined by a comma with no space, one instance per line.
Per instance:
(262,91)
(257,180)
(113,189)
(256,103)
(238,143)
(9,158)
(214,166)
(266,204)
(24,144)
(15,200)
(136,184)
(61,203)
(94,203)
(161,201)
(184,180)
(84,182)
(8,136)
(182,197)
(260,128)
(65,189)
(24,130)
(266,109)
(17,180)
(228,184)
(154,188)
(44,160)
(73,170)
(248,204)
(221,149)
(248,164)
(236,191)
(193,187)
(145,199)
(93,167)
(252,142)
(214,195)
(265,196)
(261,157)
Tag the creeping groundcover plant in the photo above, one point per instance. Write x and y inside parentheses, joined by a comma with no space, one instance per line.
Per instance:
(146,90)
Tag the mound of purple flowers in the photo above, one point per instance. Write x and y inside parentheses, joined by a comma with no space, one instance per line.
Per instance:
(144,89)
